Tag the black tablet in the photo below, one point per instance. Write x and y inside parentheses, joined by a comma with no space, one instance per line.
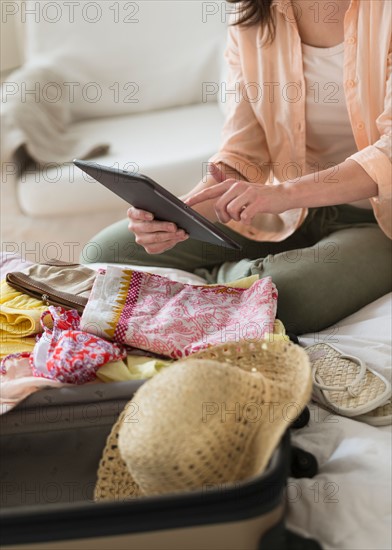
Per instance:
(144,193)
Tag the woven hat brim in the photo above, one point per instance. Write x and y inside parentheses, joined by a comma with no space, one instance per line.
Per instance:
(114,481)
(287,367)
(284,364)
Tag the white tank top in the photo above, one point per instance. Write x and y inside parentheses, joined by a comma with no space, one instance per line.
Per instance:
(329,137)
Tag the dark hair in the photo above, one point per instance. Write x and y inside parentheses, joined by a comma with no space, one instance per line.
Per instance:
(255,12)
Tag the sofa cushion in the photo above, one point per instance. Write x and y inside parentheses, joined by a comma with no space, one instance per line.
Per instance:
(126,57)
(170,146)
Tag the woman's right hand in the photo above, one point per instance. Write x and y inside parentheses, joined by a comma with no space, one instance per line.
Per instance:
(154,236)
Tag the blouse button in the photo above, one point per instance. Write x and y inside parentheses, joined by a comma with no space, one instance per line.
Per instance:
(360,126)
(351,40)
(350,83)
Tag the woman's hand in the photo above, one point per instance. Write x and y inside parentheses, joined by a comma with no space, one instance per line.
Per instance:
(242,201)
(154,236)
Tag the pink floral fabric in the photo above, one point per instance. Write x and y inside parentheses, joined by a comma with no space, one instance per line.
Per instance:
(173,319)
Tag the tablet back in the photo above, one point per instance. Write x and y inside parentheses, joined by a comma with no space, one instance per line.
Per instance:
(144,193)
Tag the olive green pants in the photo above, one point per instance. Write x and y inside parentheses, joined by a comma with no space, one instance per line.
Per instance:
(338,261)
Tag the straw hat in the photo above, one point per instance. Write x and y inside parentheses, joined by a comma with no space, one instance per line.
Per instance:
(213,418)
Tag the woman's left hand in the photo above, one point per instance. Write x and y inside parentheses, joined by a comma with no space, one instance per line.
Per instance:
(242,201)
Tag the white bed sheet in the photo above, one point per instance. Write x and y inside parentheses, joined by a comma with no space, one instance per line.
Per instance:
(347,505)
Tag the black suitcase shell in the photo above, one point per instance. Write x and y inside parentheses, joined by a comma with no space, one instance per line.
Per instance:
(51,444)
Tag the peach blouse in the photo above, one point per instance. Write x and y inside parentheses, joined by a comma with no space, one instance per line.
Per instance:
(264,133)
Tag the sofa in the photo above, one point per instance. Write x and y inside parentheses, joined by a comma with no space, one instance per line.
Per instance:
(137,81)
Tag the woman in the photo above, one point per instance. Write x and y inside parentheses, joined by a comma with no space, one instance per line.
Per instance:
(312,115)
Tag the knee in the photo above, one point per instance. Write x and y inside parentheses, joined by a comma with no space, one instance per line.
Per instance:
(298,307)
(305,303)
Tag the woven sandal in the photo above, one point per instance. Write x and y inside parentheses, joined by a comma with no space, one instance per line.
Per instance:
(382,416)
(344,383)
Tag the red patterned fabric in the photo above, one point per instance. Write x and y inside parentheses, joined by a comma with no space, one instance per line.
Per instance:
(68,354)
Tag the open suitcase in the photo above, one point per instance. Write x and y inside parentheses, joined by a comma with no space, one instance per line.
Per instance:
(51,445)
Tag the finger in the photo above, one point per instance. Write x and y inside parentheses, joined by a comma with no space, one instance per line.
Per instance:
(162,247)
(236,207)
(158,249)
(137,214)
(155,238)
(247,214)
(210,193)
(216,172)
(152,227)
(229,205)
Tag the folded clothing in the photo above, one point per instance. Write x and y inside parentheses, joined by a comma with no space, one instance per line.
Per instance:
(11,346)
(173,319)
(136,367)
(19,320)
(20,313)
(62,355)
(18,382)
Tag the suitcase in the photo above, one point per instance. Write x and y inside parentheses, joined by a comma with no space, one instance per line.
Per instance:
(51,445)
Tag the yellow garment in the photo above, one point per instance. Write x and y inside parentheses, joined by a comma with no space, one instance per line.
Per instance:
(19,319)
(246,282)
(278,334)
(16,345)
(136,368)
(20,313)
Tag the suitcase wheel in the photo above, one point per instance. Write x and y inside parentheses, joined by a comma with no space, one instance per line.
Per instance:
(296,542)
(280,538)
(302,420)
(303,464)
